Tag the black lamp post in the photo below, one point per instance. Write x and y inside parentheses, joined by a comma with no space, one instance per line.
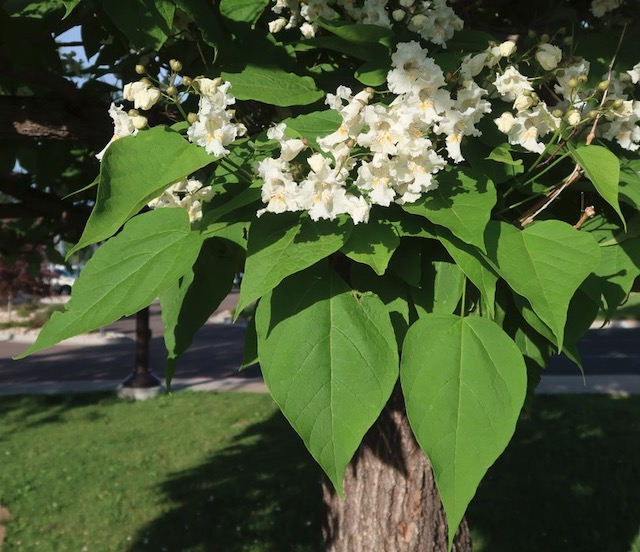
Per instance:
(141,383)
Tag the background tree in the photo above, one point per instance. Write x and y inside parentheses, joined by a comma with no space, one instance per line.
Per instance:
(420,276)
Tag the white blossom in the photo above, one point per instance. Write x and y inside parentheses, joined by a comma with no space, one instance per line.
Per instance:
(123,125)
(635,73)
(142,94)
(189,194)
(548,56)
(511,84)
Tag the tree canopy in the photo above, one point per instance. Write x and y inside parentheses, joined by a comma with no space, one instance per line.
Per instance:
(443,196)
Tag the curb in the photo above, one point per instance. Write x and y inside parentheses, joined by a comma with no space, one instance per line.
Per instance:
(244,385)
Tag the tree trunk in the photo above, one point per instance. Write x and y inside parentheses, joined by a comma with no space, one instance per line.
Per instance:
(391,501)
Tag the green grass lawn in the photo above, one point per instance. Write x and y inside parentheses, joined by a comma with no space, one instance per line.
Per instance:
(224,472)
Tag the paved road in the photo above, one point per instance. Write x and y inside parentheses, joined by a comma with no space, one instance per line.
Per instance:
(216,353)
(604,352)
(611,359)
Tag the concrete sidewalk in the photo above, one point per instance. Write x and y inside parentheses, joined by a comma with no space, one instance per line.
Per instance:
(622,385)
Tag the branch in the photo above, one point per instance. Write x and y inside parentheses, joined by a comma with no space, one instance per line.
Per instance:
(52,119)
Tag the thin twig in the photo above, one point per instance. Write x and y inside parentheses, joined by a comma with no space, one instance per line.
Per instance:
(588,213)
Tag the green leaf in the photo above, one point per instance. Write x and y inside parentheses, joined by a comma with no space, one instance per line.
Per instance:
(250,351)
(372,244)
(462,203)
(188,303)
(243,11)
(125,275)
(134,170)
(272,85)
(330,361)
(365,52)
(358,33)
(392,293)
(440,288)
(629,186)
(464,383)
(546,263)
(204,17)
(373,73)
(69,6)
(502,154)
(280,245)
(603,169)
(619,267)
(146,23)
(314,125)
(406,261)
(475,266)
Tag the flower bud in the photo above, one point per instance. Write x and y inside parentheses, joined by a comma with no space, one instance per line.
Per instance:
(557,113)
(603,85)
(187,81)
(572,83)
(582,79)
(545,38)
(407,3)
(617,104)
(146,81)
(139,122)
(398,15)
(175,65)
(171,91)
(133,113)
(141,69)
(562,30)
(531,33)
(567,40)
(418,21)
(572,117)
(192,118)
(592,114)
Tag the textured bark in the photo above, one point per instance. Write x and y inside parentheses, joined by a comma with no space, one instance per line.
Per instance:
(391,502)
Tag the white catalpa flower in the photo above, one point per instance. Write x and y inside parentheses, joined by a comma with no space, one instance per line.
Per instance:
(189,194)
(511,84)
(374,12)
(565,75)
(214,128)
(548,56)
(289,147)
(142,94)
(435,22)
(123,125)
(279,191)
(625,130)
(527,127)
(635,73)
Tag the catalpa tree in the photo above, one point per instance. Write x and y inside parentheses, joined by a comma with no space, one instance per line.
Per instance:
(425,213)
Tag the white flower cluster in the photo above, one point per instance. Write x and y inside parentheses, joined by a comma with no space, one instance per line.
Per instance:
(433,20)
(380,153)
(214,128)
(533,118)
(144,96)
(123,125)
(188,194)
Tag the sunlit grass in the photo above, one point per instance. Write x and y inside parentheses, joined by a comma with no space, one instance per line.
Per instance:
(204,472)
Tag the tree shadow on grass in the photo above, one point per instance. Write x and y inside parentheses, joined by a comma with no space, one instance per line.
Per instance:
(262,493)
(568,481)
(27,411)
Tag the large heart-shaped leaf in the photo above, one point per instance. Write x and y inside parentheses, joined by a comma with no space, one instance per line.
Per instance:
(136,169)
(464,382)
(603,169)
(546,263)
(462,203)
(280,245)
(330,361)
(372,244)
(188,303)
(125,275)
(272,85)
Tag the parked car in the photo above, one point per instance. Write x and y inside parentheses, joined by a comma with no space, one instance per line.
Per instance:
(61,280)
